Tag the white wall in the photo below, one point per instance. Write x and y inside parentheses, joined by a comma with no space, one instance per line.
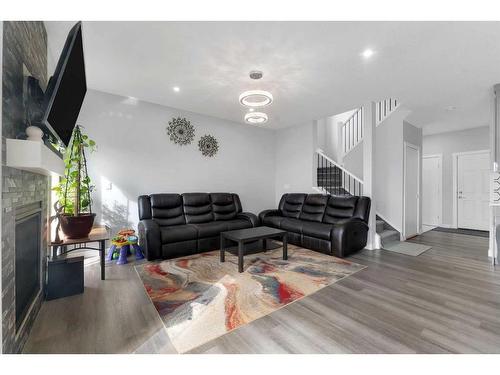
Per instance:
(135,156)
(446,144)
(295,161)
(353,160)
(413,135)
(328,135)
(389,170)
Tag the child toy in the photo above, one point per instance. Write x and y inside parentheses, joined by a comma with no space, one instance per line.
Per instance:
(121,246)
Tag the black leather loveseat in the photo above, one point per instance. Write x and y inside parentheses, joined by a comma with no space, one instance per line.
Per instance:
(173,225)
(334,225)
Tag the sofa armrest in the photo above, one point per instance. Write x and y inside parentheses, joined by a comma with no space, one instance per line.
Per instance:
(348,236)
(267,213)
(150,238)
(253,219)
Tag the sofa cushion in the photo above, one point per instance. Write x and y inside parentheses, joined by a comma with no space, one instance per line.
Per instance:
(339,208)
(238,224)
(197,208)
(178,233)
(318,230)
(223,206)
(313,208)
(292,225)
(166,209)
(291,204)
(211,229)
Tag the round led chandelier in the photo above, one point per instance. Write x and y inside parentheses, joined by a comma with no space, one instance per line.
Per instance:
(256,118)
(256,98)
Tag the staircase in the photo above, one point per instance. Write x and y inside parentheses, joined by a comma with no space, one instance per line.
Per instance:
(336,178)
(387,233)
(332,178)
(352,129)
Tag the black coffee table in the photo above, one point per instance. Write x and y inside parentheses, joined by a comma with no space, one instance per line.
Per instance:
(242,236)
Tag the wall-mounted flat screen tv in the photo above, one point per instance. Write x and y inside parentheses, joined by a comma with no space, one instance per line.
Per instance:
(67,87)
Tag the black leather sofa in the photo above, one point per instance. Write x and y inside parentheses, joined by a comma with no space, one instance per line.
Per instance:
(173,225)
(335,225)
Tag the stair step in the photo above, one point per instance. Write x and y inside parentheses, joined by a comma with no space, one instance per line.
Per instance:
(380,226)
(389,236)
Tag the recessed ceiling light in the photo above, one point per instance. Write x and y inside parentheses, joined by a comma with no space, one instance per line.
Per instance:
(367,53)
(256,118)
(256,98)
(251,109)
(176,88)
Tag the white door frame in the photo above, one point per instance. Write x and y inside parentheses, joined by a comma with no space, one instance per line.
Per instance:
(417,148)
(440,157)
(454,158)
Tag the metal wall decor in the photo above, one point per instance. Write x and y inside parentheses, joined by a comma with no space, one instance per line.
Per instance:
(208,145)
(180,131)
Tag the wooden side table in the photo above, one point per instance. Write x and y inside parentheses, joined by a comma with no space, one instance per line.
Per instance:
(99,234)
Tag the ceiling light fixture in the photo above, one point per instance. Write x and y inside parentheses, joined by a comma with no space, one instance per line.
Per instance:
(256,118)
(367,53)
(176,88)
(256,98)
(256,74)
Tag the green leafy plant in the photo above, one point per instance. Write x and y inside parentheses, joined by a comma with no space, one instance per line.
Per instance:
(75,188)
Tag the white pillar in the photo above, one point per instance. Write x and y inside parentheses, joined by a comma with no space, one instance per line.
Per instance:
(369,169)
(340,144)
(494,158)
(1,166)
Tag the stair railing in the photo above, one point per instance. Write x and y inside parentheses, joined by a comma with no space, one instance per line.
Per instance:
(353,128)
(332,178)
(384,108)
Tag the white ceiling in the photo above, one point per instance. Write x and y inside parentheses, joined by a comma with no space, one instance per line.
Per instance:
(313,69)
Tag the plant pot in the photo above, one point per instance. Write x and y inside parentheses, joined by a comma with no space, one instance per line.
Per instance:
(76,226)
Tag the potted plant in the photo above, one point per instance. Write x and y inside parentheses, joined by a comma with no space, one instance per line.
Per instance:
(74,190)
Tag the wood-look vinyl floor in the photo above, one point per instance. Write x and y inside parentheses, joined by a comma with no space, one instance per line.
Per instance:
(446,300)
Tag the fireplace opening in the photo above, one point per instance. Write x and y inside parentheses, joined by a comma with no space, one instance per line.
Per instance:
(28,222)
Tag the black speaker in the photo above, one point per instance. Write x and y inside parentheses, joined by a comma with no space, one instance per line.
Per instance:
(64,277)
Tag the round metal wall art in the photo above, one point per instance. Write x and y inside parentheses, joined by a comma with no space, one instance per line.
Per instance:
(180,131)
(208,145)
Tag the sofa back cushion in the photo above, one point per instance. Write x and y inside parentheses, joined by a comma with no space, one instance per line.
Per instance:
(225,206)
(144,206)
(313,208)
(166,209)
(362,210)
(339,208)
(197,208)
(291,204)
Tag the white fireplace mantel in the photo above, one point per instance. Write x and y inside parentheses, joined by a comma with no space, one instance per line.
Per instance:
(33,156)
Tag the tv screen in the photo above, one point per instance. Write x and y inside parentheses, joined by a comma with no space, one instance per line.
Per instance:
(67,87)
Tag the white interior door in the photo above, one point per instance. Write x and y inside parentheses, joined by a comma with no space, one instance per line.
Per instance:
(431,190)
(411,193)
(473,190)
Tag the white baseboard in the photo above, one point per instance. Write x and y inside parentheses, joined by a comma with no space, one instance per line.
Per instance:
(447,226)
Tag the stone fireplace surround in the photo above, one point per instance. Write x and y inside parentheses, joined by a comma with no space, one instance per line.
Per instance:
(24,44)
(19,188)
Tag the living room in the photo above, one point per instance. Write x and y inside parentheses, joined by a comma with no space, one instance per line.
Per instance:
(249,187)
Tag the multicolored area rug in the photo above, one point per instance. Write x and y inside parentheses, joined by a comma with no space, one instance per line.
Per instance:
(199,299)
